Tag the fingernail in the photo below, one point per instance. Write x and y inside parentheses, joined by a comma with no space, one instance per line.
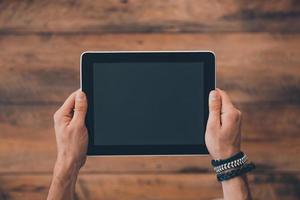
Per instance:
(80,96)
(213,95)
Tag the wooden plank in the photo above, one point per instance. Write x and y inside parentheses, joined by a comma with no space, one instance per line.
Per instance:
(152,186)
(194,186)
(148,16)
(266,122)
(261,121)
(133,187)
(28,144)
(251,67)
(29,187)
(24,187)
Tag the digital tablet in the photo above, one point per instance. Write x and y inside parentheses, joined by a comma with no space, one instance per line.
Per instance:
(147,103)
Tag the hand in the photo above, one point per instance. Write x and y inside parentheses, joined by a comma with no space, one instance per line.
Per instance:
(223,131)
(71,133)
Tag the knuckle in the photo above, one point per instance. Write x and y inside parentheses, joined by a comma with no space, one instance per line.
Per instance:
(76,122)
(80,107)
(234,114)
(56,116)
(72,128)
(77,126)
(240,113)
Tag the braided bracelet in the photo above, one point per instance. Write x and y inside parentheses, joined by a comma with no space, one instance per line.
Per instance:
(232,164)
(237,172)
(232,167)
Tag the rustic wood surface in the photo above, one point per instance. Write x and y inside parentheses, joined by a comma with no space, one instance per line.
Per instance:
(149,186)
(257,47)
(263,140)
(40,74)
(112,16)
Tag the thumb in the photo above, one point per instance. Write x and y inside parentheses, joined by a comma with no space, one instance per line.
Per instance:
(80,108)
(214,109)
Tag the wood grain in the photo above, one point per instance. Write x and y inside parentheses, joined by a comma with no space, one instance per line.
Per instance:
(28,145)
(257,48)
(68,17)
(251,67)
(193,186)
(261,120)
(148,186)
(151,187)
(29,187)
(24,187)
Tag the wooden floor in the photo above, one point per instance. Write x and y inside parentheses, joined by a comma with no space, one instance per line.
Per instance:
(257,44)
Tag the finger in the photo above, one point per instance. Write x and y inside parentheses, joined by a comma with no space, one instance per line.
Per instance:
(214,109)
(226,101)
(229,113)
(67,108)
(80,108)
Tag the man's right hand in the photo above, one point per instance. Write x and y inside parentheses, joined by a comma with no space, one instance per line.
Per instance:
(223,131)
(223,140)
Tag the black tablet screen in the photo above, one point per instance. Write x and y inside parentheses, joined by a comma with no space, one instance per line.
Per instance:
(155,103)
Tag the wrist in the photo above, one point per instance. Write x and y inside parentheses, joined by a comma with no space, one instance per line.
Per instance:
(65,169)
(224,154)
(240,187)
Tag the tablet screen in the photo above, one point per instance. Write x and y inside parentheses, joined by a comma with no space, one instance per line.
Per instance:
(151,103)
